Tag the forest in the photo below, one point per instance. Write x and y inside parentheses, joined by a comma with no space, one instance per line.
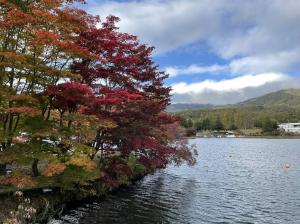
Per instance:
(79,100)
(265,118)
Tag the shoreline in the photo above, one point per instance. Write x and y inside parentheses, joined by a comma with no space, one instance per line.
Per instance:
(58,200)
(244,137)
(61,200)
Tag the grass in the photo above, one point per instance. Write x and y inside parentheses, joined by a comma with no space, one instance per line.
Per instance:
(251,132)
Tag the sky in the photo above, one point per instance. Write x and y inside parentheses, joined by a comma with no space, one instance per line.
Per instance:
(215,51)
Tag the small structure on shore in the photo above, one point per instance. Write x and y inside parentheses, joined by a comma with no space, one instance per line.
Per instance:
(290,127)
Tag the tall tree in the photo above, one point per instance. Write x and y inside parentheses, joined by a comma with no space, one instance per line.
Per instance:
(37,44)
(218,125)
(69,89)
(132,94)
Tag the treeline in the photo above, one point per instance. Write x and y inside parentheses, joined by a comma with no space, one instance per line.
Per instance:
(265,118)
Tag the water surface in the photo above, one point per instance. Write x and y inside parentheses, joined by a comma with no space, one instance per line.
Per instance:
(234,181)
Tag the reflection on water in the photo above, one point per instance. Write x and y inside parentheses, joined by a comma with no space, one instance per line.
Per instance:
(234,181)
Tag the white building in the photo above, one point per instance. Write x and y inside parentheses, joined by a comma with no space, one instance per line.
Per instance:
(290,127)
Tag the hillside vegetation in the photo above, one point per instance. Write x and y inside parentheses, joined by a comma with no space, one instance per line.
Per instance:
(287,98)
(274,108)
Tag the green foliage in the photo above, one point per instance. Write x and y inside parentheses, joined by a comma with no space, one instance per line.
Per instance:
(233,127)
(261,112)
(240,117)
(80,149)
(136,167)
(282,98)
(218,125)
(23,154)
(187,123)
(269,126)
(38,126)
(74,176)
(204,124)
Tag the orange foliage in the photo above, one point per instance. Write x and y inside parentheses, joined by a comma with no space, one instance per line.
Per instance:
(54,169)
(51,3)
(17,17)
(23,98)
(41,14)
(19,181)
(23,110)
(44,37)
(87,164)
(13,56)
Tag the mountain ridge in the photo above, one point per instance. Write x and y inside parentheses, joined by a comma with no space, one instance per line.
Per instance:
(283,98)
(188,106)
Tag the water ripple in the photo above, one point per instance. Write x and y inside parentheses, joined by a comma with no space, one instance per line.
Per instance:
(234,181)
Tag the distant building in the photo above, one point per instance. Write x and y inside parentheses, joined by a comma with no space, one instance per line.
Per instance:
(290,127)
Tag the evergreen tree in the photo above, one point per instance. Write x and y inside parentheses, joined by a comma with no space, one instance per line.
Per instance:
(233,127)
(218,125)
(269,126)
(206,124)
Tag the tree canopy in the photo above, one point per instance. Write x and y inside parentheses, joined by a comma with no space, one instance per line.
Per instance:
(73,87)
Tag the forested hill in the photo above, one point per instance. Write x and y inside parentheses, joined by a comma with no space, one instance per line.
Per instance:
(282,98)
(288,98)
(280,107)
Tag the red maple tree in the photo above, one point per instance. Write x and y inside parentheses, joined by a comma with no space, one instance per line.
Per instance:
(70,89)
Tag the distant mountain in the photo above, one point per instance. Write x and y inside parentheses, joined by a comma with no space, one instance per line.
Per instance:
(283,98)
(186,106)
(286,98)
(280,107)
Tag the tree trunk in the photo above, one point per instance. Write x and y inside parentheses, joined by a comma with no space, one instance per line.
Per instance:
(69,123)
(35,170)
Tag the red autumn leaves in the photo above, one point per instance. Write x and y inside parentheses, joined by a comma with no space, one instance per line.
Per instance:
(91,83)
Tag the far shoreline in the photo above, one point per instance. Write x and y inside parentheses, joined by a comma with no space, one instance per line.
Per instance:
(245,137)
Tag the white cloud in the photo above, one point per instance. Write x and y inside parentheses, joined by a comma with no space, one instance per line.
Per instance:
(259,27)
(259,36)
(281,61)
(255,36)
(251,26)
(278,62)
(194,69)
(229,84)
(217,97)
(166,24)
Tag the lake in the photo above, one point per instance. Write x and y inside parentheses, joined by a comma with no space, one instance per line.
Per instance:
(234,181)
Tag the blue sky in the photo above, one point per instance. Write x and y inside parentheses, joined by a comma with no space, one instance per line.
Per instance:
(218,52)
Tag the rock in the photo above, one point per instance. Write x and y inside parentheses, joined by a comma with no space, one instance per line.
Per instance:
(47,190)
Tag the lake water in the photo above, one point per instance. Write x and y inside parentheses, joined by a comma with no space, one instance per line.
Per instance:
(234,181)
